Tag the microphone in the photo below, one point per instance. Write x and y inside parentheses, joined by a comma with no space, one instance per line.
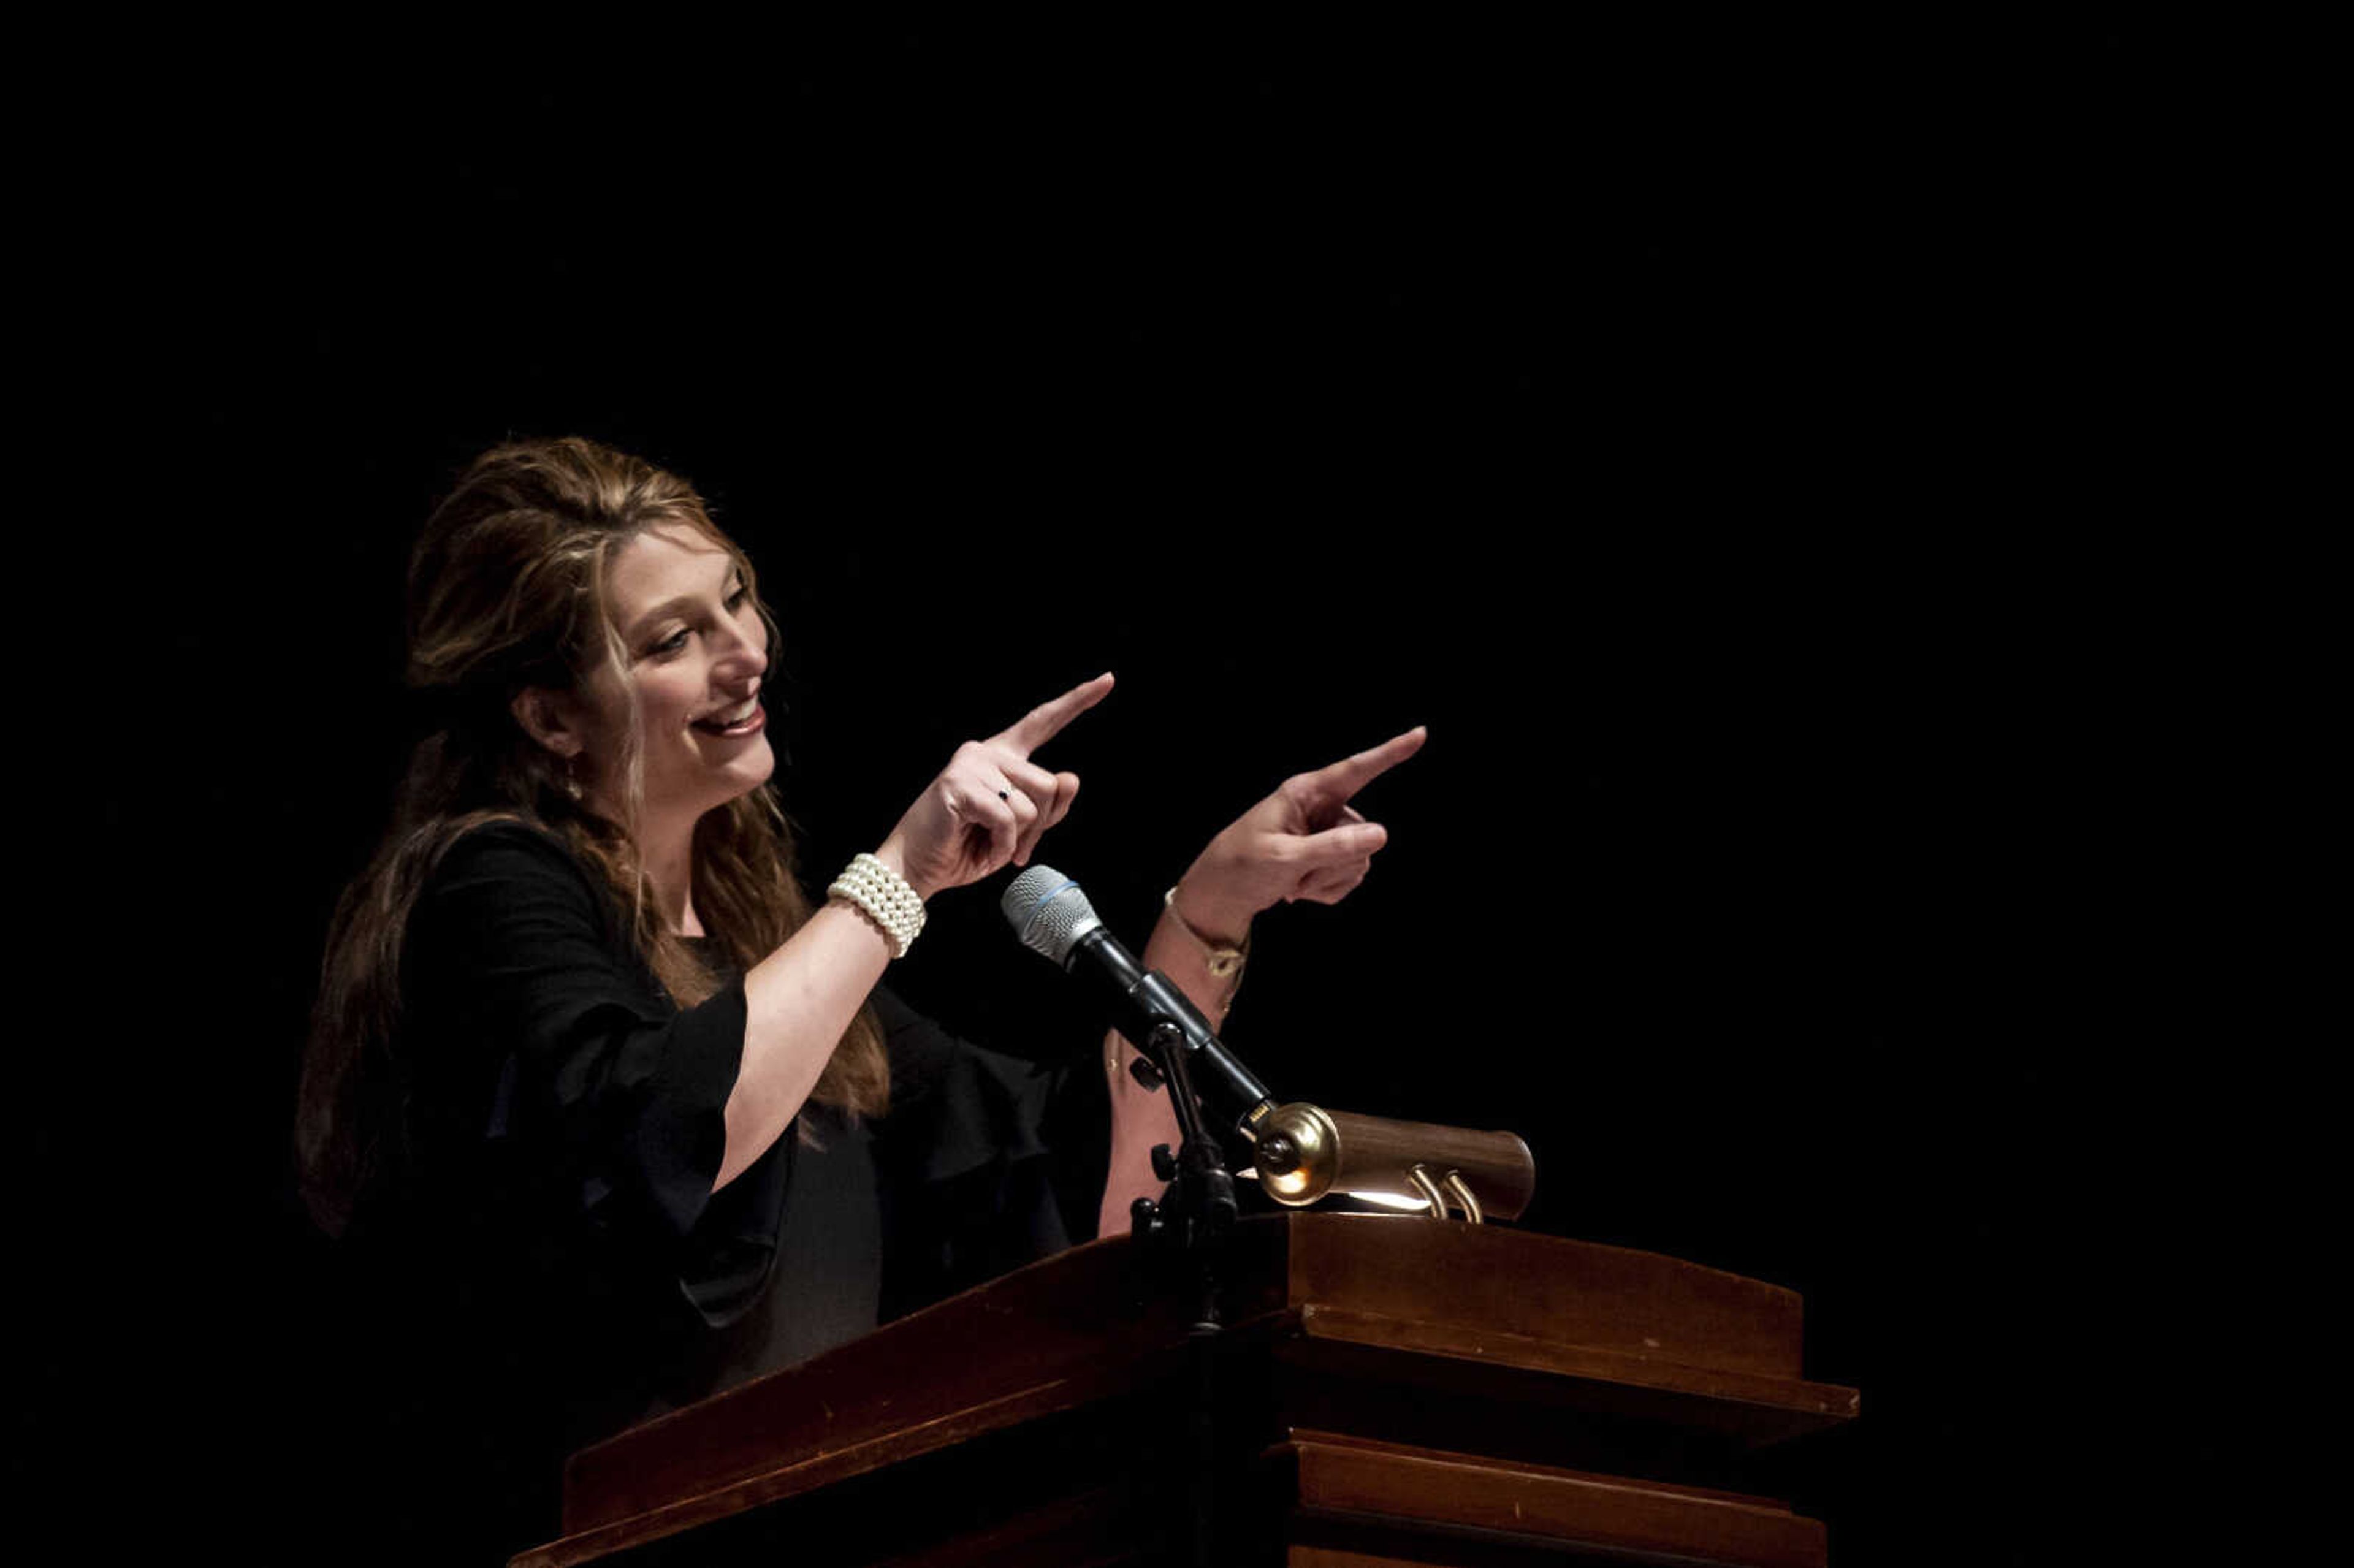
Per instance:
(1053,919)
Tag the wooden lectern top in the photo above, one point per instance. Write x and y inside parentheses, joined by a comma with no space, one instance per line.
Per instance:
(1402,1302)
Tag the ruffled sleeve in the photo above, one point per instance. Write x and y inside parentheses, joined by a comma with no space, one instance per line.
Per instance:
(551,1044)
(964,1168)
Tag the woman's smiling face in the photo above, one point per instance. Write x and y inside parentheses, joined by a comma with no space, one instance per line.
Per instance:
(694,651)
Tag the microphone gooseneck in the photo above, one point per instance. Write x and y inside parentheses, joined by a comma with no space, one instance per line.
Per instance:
(1053,919)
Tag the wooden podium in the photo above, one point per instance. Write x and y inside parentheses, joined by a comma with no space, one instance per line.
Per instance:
(1383,1392)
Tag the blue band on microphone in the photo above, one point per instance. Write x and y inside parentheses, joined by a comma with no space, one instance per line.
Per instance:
(1038,904)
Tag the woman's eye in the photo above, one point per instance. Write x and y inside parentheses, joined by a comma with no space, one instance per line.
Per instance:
(676,641)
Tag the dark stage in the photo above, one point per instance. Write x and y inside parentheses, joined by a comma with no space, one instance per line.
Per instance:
(1691,426)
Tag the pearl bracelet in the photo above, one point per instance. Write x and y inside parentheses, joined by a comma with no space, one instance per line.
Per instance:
(883,896)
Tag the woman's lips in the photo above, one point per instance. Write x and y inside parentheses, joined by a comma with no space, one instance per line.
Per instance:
(752,726)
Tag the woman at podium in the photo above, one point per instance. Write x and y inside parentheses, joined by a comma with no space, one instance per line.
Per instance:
(610,1113)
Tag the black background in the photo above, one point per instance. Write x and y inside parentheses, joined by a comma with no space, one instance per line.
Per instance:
(1712,433)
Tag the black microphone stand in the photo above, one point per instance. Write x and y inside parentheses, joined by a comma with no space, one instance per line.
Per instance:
(1197,1207)
(1180,1235)
(1181,1232)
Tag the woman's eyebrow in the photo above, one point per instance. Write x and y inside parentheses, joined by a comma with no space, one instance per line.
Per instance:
(676,604)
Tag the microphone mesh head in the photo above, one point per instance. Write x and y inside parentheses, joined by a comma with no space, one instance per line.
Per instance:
(1048,912)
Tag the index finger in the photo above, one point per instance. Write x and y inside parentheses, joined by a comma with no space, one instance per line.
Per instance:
(1343,779)
(1043,722)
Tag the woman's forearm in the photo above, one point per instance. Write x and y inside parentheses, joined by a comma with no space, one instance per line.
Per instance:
(797,1002)
(1142,1117)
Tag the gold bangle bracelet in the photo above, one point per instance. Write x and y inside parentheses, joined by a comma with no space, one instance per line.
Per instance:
(1222,962)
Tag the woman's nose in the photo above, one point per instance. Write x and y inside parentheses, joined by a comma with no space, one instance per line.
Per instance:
(745,656)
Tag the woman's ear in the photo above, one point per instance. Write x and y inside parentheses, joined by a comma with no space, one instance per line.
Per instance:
(550,718)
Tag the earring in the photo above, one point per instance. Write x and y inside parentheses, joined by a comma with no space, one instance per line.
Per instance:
(571,777)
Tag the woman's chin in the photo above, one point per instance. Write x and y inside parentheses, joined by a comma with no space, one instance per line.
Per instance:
(710,786)
(754,768)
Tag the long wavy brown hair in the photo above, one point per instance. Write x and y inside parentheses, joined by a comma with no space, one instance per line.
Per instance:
(507,591)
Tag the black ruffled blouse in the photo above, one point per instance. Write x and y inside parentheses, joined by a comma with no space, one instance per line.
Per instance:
(565,1267)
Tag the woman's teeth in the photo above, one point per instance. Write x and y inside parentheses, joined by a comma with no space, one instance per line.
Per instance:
(731,720)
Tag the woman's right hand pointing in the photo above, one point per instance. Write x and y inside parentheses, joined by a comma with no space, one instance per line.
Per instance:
(1304,841)
(991,804)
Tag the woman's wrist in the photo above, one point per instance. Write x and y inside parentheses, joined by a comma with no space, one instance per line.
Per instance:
(1210,921)
(1221,955)
(877,888)
(892,852)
